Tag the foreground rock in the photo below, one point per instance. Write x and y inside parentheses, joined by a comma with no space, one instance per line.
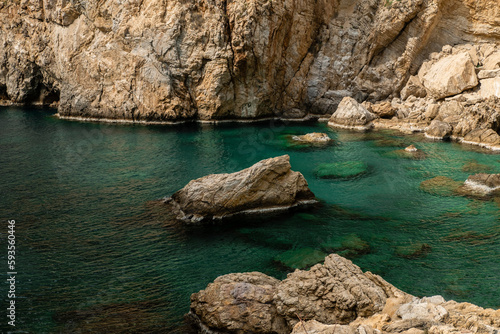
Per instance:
(269,185)
(335,297)
(237,303)
(351,115)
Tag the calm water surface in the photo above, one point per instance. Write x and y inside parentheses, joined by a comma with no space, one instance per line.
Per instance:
(98,254)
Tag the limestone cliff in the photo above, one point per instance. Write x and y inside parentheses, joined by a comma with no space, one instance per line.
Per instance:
(162,60)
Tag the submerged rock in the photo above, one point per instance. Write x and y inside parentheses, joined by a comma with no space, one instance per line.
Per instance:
(314,138)
(344,169)
(471,237)
(441,186)
(349,246)
(351,115)
(269,185)
(474,166)
(413,250)
(301,258)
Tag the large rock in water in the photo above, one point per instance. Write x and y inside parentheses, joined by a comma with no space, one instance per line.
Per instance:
(448,76)
(351,115)
(269,185)
(333,298)
(482,184)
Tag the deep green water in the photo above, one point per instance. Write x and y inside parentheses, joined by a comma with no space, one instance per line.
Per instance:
(98,254)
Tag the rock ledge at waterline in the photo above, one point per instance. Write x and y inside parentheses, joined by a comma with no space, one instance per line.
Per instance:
(269,185)
(331,298)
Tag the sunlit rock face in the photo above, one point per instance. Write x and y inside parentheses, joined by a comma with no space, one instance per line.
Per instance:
(268,186)
(153,60)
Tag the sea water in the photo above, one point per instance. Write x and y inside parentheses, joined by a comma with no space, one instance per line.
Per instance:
(96,251)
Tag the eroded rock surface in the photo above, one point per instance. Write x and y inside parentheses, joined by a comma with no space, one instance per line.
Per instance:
(238,303)
(448,76)
(269,185)
(331,298)
(153,60)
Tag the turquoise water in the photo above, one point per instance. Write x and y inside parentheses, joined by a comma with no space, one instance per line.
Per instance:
(98,253)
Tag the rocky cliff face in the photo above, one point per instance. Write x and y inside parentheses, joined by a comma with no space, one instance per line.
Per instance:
(163,60)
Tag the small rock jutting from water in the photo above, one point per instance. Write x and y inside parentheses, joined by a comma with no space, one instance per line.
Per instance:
(411,148)
(481,184)
(314,138)
(351,115)
(331,298)
(268,186)
(410,152)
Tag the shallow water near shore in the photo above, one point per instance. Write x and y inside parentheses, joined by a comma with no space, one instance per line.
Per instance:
(97,252)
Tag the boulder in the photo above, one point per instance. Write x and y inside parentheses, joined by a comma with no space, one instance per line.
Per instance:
(448,76)
(490,87)
(351,115)
(333,293)
(488,74)
(237,303)
(383,109)
(269,185)
(331,298)
(438,130)
(492,62)
(484,137)
(482,184)
(413,88)
(314,138)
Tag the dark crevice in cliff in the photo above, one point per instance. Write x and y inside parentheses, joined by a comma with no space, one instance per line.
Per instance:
(230,61)
(3,93)
(49,96)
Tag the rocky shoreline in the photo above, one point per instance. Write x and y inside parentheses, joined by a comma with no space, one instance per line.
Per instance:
(330,298)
